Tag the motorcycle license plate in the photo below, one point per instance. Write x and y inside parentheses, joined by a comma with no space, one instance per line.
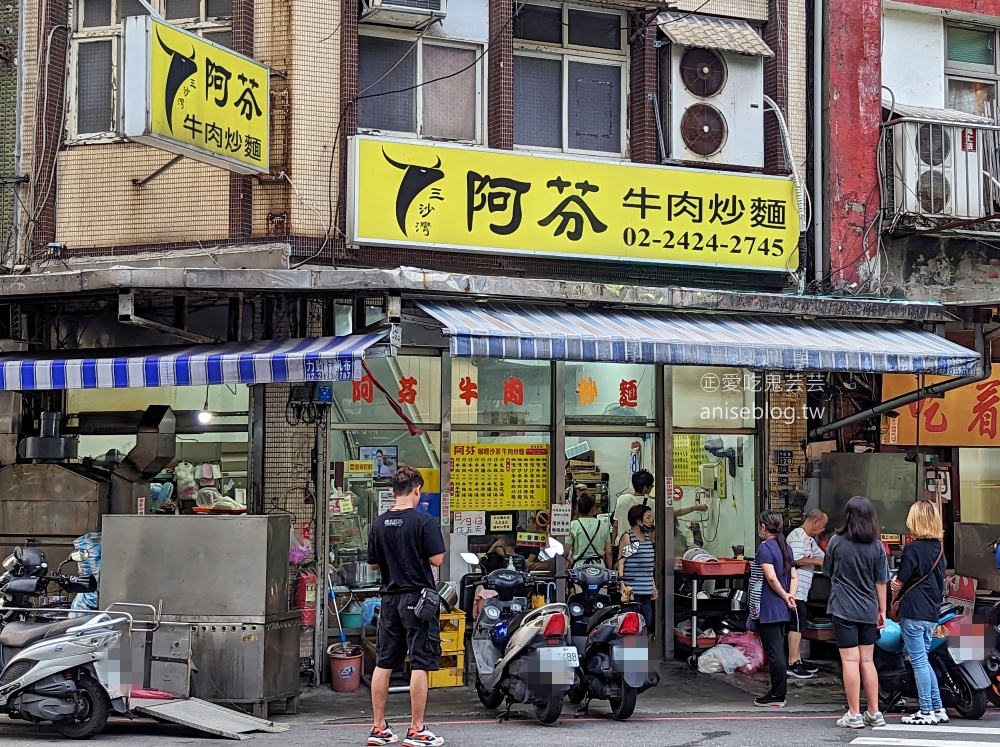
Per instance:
(566,655)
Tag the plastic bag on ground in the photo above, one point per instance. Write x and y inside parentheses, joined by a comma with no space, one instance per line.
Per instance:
(750,646)
(722,658)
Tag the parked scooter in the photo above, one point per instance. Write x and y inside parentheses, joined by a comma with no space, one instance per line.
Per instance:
(992,662)
(963,684)
(523,655)
(611,640)
(54,671)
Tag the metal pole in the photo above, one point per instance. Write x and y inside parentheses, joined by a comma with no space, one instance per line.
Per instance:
(322,540)
(558,452)
(664,445)
(445,459)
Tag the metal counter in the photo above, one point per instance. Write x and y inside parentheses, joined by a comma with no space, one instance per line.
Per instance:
(202,568)
(223,581)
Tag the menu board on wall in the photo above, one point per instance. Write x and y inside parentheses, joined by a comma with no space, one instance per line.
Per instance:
(499,477)
(689,455)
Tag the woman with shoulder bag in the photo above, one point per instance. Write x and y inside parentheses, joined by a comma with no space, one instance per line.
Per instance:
(919,590)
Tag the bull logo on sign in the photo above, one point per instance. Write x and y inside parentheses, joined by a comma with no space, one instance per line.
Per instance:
(415,180)
(181,68)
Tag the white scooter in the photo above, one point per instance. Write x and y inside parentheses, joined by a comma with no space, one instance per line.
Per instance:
(58,671)
(522,655)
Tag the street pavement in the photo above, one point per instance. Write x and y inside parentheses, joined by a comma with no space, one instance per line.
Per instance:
(764,729)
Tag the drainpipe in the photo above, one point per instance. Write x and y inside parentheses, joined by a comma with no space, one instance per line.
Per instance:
(819,9)
(983,370)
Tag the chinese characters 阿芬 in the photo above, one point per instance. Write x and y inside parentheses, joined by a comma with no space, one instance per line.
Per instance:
(566,215)
(247,102)
(498,195)
(217,79)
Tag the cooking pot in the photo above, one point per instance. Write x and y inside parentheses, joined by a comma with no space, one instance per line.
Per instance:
(448,592)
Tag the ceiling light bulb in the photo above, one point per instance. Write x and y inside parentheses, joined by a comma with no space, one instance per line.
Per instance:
(204,417)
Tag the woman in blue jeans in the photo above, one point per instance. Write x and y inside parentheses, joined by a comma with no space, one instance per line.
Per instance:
(919,589)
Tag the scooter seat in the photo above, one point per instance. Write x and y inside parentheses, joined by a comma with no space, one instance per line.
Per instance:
(601,615)
(20,635)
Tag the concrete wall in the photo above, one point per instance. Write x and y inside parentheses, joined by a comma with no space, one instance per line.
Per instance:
(913,57)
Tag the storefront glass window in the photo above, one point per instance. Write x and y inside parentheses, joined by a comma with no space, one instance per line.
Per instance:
(500,493)
(979,482)
(413,382)
(362,462)
(603,466)
(705,478)
(501,392)
(618,393)
(715,397)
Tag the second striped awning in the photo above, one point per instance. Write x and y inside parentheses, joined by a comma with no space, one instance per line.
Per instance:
(566,333)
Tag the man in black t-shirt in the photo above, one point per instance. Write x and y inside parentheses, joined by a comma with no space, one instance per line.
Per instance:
(403,544)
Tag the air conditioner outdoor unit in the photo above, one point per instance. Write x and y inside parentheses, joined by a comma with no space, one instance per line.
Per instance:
(405,13)
(717,106)
(937,170)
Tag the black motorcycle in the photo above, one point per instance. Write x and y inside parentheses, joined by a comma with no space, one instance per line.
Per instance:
(963,685)
(612,642)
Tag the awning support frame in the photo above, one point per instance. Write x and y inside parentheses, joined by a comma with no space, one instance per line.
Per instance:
(983,371)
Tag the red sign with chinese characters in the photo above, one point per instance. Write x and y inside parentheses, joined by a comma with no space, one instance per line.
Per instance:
(969,139)
(967,416)
(363,390)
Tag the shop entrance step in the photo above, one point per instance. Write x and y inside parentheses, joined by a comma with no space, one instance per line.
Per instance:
(204,716)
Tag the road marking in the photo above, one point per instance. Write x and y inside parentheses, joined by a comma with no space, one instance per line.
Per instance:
(889,741)
(941,729)
(567,717)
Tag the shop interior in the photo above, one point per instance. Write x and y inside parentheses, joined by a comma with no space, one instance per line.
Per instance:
(209,472)
(501,434)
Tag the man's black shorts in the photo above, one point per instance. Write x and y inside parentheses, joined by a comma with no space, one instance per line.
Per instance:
(400,631)
(850,634)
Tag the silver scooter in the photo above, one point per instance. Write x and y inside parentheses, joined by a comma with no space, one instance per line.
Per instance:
(58,671)
(522,655)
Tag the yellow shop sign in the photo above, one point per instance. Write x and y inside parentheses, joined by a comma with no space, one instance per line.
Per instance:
(435,196)
(189,96)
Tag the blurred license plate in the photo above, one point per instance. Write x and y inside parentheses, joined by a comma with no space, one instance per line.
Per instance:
(567,655)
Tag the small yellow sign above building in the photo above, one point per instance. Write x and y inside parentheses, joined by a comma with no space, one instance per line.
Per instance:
(189,96)
(429,195)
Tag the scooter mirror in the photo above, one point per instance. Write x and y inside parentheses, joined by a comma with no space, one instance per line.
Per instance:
(630,549)
(471,558)
(78,555)
(9,562)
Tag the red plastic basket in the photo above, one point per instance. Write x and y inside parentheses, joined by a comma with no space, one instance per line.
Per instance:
(720,567)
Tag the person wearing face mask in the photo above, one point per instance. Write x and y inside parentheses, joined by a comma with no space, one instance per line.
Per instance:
(636,571)
(774,577)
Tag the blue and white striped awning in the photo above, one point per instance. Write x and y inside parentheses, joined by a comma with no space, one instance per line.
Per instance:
(562,333)
(260,362)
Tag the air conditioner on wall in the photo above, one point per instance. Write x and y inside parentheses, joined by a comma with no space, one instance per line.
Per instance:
(937,170)
(403,13)
(717,106)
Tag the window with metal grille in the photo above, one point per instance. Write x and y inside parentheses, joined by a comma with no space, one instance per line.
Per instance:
(569,78)
(412,85)
(95,54)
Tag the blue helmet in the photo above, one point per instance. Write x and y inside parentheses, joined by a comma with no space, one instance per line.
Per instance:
(500,634)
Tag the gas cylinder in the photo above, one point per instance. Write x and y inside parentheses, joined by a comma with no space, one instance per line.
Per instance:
(305,597)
